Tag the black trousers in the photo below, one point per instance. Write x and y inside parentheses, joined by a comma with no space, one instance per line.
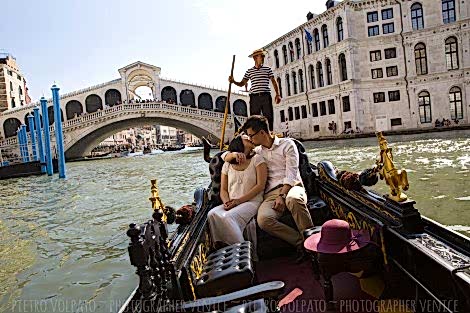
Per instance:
(262,104)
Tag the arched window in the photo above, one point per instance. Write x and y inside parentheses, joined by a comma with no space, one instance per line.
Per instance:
(10,126)
(93,103)
(240,108)
(301,81)
(290,113)
(279,85)
(294,80)
(448,11)
(316,37)
(324,31)
(297,47)
(284,53)
(339,29)
(169,94)
(320,75)
(187,98)
(220,104)
(291,51)
(343,71)
(112,97)
(452,55)
(417,20)
(288,84)
(204,101)
(309,44)
(73,109)
(455,100)
(424,103)
(329,74)
(276,58)
(420,59)
(13,104)
(311,74)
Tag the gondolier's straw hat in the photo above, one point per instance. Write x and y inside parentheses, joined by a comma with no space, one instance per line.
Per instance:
(258,52)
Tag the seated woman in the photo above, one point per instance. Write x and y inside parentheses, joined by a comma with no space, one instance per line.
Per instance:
(242,188)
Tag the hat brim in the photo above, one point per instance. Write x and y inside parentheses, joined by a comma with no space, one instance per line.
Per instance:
(258,53)
(360,239)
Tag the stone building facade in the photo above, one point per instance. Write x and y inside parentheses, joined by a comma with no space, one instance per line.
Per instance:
(368,65)
(13,90)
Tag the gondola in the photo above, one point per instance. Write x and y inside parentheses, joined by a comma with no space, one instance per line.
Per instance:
(172,148)
(413,264)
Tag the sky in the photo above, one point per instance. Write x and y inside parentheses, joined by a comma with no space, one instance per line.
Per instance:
(81,43)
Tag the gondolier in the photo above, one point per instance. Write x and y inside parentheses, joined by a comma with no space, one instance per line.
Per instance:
(261,102)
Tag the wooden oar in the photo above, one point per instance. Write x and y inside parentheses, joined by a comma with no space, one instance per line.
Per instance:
(227,103)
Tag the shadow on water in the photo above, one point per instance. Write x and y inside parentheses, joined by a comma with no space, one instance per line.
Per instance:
(63,242)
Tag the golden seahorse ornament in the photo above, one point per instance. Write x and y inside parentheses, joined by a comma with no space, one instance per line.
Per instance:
(397,180)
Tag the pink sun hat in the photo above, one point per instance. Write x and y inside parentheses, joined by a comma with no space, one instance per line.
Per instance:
(337,237)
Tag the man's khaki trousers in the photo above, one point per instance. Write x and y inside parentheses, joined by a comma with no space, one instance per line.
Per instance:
(296,203)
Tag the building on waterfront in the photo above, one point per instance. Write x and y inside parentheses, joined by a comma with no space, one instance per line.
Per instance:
(366,65)
(13,90)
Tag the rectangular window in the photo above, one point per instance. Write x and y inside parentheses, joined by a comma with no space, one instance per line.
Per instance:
(387,14)
(392,71)
(283,116)
(331,106)
(372,17)
(314,110)
(379,97)
(373,30)
(377,73)
(304,111)
(347,125)
(394,95)
(395,121)
(322,108)
(316,128)
(448,11)
(375,55)
(390,53)
(388,28)
(18,76)
(10,72)
(346,104)
(297,113)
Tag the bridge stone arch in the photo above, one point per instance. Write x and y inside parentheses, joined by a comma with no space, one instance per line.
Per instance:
(50,114)
(93,103)
(82,141)
(169,93)
(204,101)
(239,108)
(72,108)
(187,98)
(112,97)
(10,126)
(220,104)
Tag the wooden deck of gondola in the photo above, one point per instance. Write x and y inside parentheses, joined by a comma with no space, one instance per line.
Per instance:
(300,276)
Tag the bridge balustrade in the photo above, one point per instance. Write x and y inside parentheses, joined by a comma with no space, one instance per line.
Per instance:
(131,107)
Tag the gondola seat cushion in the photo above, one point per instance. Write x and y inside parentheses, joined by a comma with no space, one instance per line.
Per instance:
(227,270)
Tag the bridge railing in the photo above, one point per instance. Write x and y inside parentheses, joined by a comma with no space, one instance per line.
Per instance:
(89,117)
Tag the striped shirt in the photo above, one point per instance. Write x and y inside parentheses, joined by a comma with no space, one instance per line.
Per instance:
(259,78)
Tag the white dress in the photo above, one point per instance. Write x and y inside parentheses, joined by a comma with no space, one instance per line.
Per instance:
(228,226)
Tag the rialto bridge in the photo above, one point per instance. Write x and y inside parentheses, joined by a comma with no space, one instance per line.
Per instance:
(90,115)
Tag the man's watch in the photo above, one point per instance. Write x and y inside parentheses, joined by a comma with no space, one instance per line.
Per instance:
(283,196)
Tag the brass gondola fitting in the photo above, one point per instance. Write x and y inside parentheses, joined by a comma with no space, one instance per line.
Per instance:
(156,200)
(397,180)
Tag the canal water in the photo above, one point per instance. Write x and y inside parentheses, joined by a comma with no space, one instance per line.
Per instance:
(63,245)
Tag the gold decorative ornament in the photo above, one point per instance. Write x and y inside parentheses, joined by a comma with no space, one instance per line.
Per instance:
(397,180)
(156,201)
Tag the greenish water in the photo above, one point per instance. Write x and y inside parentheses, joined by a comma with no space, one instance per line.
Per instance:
(63,245)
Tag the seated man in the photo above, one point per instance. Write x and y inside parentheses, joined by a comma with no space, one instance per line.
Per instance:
(284,188)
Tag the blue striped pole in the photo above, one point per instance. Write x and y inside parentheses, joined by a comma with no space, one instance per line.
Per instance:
(37,119)
(25,143)
(33,137)
(19,135)
(59,136)
(47,136)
